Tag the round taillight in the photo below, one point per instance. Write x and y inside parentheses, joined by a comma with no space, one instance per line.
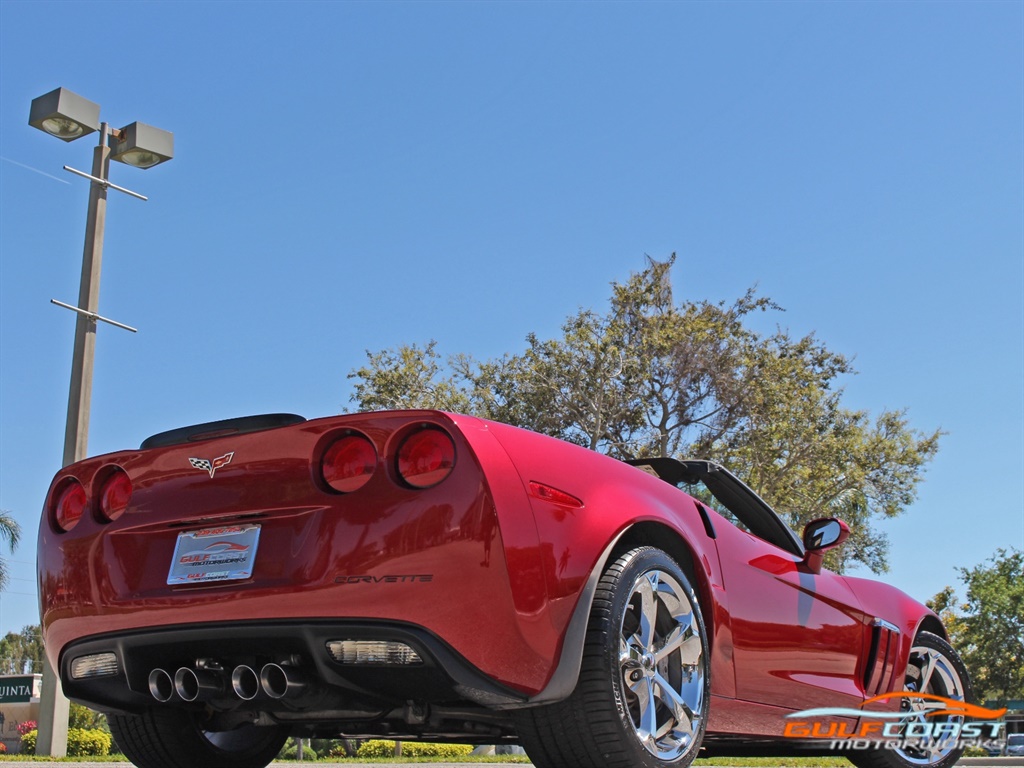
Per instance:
(349,463)
(70,505)
(426,458)
(114,495)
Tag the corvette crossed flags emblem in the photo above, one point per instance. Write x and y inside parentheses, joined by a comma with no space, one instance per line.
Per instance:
(212,466)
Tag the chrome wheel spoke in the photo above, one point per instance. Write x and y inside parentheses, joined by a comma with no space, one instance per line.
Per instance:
(931,658)
(648,725)
(648,610)
(677,637)
(680,709)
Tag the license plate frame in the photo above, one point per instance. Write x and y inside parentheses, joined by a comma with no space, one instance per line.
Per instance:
(214,554)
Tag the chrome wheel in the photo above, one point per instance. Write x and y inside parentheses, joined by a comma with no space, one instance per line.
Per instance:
(931,670)
(661,665)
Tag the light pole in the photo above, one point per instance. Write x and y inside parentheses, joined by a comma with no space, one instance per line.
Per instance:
(68,116)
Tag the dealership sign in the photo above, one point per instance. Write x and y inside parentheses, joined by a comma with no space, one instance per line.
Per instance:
(18,690)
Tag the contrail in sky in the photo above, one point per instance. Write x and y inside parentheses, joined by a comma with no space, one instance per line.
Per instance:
(29,167)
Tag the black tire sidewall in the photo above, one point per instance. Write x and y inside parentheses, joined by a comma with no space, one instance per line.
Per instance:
(173,738)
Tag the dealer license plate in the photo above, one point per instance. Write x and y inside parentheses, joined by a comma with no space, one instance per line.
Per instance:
(219,553)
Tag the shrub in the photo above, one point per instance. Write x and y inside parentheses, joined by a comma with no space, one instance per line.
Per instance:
(82,742)
(88,742)
(338,750)
(28,742)
(376,748)
(291,752)
(26,726)
(382,748)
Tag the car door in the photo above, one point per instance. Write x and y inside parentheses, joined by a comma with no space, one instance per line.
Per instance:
(797,635)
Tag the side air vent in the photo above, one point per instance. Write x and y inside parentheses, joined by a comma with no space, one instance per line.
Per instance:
(224,428)
(881,657)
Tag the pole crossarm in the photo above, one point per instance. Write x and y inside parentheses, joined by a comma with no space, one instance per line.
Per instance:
(93,316)
(103,182)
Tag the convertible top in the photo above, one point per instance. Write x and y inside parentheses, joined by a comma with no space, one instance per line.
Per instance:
(731,492)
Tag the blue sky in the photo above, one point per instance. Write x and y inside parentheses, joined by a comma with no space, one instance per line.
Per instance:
(353,176)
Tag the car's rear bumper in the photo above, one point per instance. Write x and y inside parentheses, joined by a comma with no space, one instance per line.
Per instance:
(436,674)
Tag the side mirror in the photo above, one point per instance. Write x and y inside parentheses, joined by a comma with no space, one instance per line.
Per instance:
(821,536)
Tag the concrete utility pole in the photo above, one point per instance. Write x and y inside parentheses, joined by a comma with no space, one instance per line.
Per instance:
(68,116)
(76,430)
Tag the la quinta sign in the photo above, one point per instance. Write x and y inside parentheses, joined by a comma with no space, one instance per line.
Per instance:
(18,690)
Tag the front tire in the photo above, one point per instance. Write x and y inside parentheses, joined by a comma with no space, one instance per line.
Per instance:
(174,738)
(644,686)
(932,668)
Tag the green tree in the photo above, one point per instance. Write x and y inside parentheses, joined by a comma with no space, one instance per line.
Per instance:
(10,532)
(945,605)
(656,376)
(21,653)
(580,387)
(647,377)
(693,360)
(990,632)
(406,377)
(796,445)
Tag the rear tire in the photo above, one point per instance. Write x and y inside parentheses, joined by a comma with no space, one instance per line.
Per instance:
(934,668)
(644,686)
(174,738)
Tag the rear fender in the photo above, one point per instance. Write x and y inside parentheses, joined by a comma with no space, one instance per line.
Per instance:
(597,508)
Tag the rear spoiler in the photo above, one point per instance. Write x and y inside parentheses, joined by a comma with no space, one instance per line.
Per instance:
(223,428)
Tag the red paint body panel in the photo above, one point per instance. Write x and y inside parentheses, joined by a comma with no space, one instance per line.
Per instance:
(494,572)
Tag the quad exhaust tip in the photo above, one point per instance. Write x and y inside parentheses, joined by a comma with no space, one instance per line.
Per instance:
(161,686)
(280,682)
(245,682)
(198,684)
(275,681)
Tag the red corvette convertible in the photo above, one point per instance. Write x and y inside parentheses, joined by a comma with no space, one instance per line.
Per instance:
(419,575)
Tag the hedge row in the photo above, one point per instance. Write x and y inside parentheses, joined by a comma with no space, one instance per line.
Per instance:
(82,742)
(381,748)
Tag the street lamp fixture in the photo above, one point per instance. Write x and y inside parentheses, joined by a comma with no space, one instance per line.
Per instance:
(64,114)
(68,116)
(143,146)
